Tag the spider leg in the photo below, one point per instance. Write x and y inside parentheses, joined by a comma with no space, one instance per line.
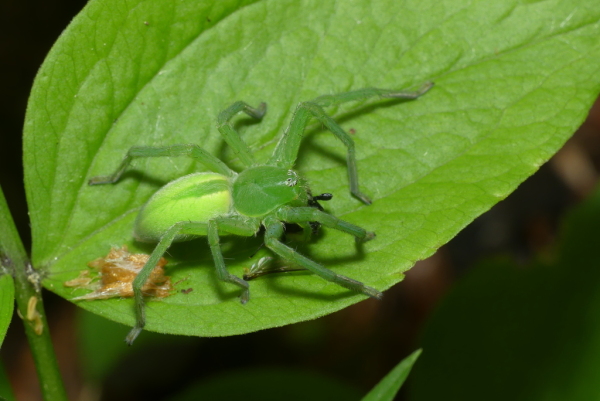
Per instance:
(309,228)
(231,136)
(303,214)
(363,94)
(230,225)
(191,150)
(304,226)
(274,230)
(287,149)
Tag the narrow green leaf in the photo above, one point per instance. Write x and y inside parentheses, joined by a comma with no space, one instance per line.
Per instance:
(513,81)
(11,253)
(7,303)
(387,388)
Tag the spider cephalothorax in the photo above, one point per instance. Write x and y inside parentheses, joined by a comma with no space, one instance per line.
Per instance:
(271,196)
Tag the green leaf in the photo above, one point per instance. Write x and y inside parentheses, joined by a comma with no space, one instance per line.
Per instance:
(101,345)
(7,303)
(11,251)
(530,333)
(513,81)
(387,388)
(6,393)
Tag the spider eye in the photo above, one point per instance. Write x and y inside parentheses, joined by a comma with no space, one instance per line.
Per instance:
(290,182)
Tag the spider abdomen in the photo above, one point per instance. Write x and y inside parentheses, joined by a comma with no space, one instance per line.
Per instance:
(262,189)
(196,197)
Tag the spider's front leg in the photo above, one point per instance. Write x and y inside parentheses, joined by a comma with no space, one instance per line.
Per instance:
(287,149)
(193,151)
(274,231)
(304,214)
(231,136)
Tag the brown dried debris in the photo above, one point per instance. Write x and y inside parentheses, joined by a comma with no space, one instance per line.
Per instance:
(116,272)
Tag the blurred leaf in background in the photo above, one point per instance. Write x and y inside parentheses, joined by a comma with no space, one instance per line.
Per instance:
(521,332)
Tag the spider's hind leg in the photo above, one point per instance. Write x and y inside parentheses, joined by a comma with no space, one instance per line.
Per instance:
(226,225)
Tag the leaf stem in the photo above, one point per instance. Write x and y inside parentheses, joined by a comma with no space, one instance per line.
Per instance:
(14,260)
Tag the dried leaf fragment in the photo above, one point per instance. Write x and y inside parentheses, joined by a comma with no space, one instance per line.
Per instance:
(116,272)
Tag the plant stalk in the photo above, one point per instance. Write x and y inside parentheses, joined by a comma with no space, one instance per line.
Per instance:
(14,259)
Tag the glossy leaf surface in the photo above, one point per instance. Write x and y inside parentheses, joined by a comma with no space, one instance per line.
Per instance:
(513,81)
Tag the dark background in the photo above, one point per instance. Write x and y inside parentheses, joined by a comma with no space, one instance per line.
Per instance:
(358,345)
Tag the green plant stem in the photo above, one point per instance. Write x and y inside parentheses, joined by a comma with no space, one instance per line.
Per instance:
(14,258)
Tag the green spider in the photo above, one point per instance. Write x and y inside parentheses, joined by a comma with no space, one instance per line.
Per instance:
(268,195)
